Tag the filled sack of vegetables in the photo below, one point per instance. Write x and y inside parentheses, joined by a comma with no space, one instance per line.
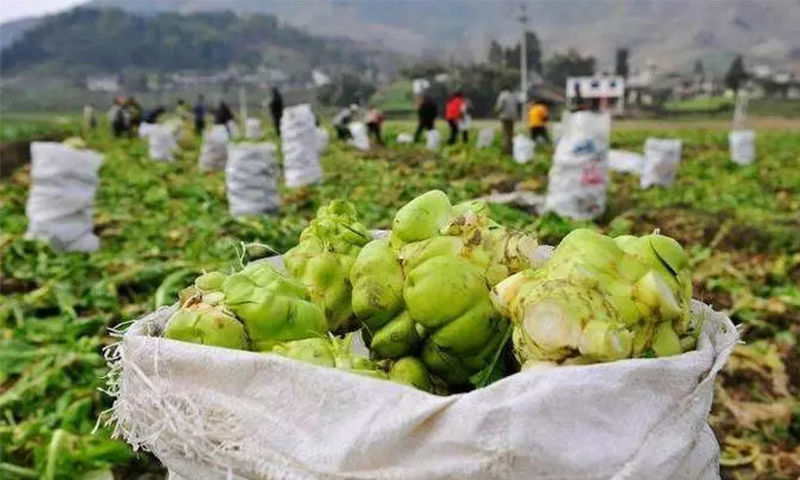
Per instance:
(454,347)
(60,205)
(251,178)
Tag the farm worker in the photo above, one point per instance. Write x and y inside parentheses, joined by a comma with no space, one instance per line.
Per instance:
(223,116)
(506,108)
(342,119)
(426,115)
(538,115)
(199,112)
(466,120)
(89,118)
(116,116)
(276,109)
(182,110)
(374,119)
(452,113)
(134,115)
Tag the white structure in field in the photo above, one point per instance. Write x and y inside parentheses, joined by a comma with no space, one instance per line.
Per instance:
(609,91)
(103,83)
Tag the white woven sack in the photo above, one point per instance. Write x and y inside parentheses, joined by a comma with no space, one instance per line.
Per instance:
(214,151)
(485,137)
(161,143)
(557,130)
(523,148)
(358,136)
(662,157)
(300,145)
(61,198)
(145,129)
(212,413)
(252,129)
(251,179)
(233,128)
(625,161)
(742,144)
(579,174)
(405,138)
(433,139)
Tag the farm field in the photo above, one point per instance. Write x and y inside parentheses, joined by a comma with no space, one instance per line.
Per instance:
(161,224)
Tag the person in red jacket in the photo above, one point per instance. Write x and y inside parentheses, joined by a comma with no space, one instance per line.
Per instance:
(452,113)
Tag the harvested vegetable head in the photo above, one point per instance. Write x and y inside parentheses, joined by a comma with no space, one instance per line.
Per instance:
(600,299)
(273,307)
(323,258)
(204,324)
(422,217)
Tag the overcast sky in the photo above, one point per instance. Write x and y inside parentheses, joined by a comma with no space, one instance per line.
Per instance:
(13,9)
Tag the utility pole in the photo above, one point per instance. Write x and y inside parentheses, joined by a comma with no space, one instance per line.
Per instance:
(523,61)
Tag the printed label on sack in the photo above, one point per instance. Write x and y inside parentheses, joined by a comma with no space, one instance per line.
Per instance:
(591,174)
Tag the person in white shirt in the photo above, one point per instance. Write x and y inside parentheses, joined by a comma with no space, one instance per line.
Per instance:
(507,107)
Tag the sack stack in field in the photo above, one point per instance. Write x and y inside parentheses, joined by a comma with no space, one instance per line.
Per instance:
(433,139)
(61,199)
(253,130)
(661,159)
(300,146)
(251,179)
(161,143)
(523,149)
(578,177)
(214,151)
(485,137)
(358,136)
(742,146)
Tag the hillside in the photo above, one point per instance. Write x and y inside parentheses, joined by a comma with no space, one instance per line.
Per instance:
(11,31)
(108,40)
(672,33)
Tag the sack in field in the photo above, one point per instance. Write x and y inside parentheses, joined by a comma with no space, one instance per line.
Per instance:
(577,180)
(215,149)
(625,161)
(61,198)
(485,137)
(433,139)
(405,138)
(556,131)
(211,413)
(161,143)
(233,128)
(252,129)
(743,146)
(358,136)
(523,149)
(661,160)
(300,145)
(251,179)
(145,129)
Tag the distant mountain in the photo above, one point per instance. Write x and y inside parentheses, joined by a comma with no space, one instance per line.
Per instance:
(11,31)
(110,40)
(673,33)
